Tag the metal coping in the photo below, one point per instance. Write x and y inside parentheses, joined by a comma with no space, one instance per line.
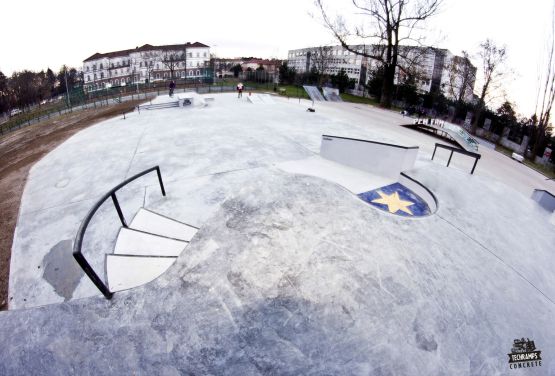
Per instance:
(459,150)
(543,190)
(372,142)
(423,186)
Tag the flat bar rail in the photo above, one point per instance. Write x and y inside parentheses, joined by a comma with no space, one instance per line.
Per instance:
(453,149)
(78,242)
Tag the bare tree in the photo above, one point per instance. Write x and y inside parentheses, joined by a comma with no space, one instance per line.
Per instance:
(172,59)
(493,70)
(461,75)
(321,58)
(149,60)
(546,90)
(391,22)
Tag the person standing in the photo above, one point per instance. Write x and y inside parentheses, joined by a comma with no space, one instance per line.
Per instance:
(172,87)
(240,90)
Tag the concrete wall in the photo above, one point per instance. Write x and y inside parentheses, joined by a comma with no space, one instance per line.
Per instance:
(374,157)
(545,199)
(518,148)
(481,132)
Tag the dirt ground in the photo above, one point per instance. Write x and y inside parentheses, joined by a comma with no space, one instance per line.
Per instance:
(19,150)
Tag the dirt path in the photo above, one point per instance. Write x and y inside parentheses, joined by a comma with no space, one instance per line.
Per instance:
(19,150)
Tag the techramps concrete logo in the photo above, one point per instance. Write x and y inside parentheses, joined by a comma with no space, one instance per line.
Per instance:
(524,354)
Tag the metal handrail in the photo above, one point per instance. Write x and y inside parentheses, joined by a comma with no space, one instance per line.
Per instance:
(453,149)
(78,243)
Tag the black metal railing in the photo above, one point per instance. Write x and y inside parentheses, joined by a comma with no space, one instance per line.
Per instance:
(453,149)
(78,243)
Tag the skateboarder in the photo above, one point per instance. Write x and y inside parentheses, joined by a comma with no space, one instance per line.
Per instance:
(240,90)
(172,87)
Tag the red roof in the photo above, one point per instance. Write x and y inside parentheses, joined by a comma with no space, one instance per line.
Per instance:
(145,47)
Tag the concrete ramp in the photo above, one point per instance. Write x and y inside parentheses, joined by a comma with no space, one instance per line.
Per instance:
(267,98)
(332,94)
(371,170)
(449,131)
(260,99)
(255,99)
(313,93)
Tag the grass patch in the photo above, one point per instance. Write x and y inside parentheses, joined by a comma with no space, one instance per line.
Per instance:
(356,99)
(292,91)
(544,170)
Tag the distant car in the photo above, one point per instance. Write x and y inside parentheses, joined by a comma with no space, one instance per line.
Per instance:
(14,112)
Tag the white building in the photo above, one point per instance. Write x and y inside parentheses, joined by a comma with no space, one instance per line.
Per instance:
(146,64)
(433,68)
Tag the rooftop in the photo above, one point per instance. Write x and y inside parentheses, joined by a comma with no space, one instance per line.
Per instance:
(144,47)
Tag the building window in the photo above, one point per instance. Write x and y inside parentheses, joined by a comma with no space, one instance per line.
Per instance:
(88,77)
(94,66)
(95,76)
(198,72)
(101,74)
(101,67)
(191,73)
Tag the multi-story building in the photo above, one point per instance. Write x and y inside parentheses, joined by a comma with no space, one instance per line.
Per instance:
(222,66)
(146,64)
(432,68)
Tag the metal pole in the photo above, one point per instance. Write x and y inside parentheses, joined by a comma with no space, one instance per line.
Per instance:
(160,180)
(67,89)
(449,161)
(473,167)
(434,153)
(118,209)
(92,275)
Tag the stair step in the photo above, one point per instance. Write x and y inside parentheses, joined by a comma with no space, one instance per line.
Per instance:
(127,271)
(139,243)
(157,224)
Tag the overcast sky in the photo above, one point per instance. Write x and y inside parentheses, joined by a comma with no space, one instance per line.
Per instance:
(39,34)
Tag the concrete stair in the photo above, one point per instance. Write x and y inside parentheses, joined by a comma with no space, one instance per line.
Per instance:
(146,249)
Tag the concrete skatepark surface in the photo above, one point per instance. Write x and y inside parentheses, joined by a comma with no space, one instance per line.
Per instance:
(288,274)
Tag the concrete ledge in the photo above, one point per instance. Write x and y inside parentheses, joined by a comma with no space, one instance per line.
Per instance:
(544,198)
(378,158)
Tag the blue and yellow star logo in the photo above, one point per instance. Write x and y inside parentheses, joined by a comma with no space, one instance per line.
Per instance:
(396,199)
(394,202)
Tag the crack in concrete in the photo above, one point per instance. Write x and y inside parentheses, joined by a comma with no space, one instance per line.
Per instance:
(499,258)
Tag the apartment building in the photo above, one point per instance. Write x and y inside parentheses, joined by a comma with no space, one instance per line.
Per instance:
(146,64)
(433,68)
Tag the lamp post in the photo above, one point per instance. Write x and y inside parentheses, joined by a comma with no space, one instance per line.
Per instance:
(67,89)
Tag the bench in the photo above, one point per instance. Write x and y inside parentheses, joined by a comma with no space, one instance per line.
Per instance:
(517,157)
